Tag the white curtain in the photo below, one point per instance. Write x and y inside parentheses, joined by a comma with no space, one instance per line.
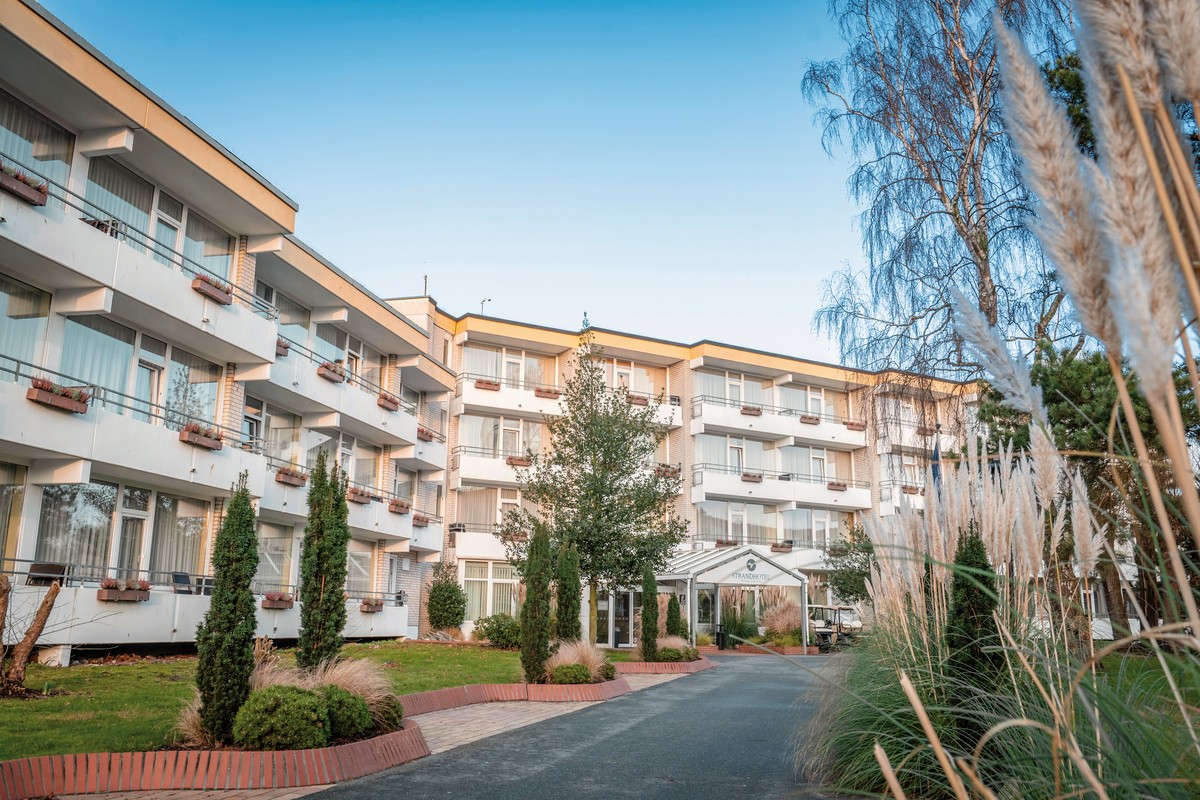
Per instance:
(179,533)
(23,313)
(283,435)
(12,494)
(75,524)
(119,193)
(192,386)
(358,573)
(274,557)
(481,361)
(33,141)
(477,505)
(538,369)
(712,449)
(293,319)
(712,519)
(207,245)
(475,583)
(98,351)
(479,432)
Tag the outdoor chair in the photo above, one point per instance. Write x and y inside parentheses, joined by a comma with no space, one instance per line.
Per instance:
(181,582)
(46,574)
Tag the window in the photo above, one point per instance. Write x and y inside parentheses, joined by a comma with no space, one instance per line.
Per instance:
(116,192)
(34,142)
(274,558)
(207,246)
(504,589)
(192,385)
(358,572)
(475,583)
(745,523)
(12,494)
(23,314)
(404,484)
(252,419)
(491,588)
(733,387)
(283,435)
(179,536)
(481,361)
(75,524)
(518,368)
(98,350)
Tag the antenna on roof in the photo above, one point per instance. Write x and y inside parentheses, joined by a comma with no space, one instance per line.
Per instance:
(426,277)
(586,324)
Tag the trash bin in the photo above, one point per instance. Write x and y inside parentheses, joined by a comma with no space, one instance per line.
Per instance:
(720,638)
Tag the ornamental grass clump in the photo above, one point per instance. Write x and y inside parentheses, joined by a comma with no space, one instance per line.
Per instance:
(580,652)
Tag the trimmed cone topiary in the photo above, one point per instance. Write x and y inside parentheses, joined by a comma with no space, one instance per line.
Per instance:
(447,604)
(282,718)
(323,567)
(535,612)
(649,641)
(569,593)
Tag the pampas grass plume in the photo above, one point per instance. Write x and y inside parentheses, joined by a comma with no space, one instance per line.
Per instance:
(1174,27)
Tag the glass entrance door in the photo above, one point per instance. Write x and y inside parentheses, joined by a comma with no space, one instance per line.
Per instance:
(129,551)
(622,619)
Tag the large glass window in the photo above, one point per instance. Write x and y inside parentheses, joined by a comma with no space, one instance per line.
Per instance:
(116,191)
(178,543)
(12,494)
(23,313)
(192,387)
(477,505)
(283,435)
(480,433)
(366,462)
(481,361)
(75,524)
(504,588)
(274,558)
(293,319)
(98,351)
(34,142)
(207,245)
(330,343)
(475,583)
(358,572)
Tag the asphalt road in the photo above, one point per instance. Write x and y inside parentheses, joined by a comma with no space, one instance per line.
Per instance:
(724,733)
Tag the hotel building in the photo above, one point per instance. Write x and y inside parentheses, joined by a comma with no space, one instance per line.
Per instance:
(163,332)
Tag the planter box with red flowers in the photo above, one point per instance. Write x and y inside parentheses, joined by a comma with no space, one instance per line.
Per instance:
(638,400)
(726,542)
(65,398)
(30,189)
(214,289)
(282,348)
(666,471)
(290,476)
(810,419)
(360,496)
(909,489)
(204,436)
(853,425)
(548,394)
(371,605)
(332,372)
(424,434)
(836,486)
(487,385)
(517,461)
(278,600)
(420,521)
(751,411)
(388,401)
(752,477)
(781,548)
(113,590)
(398,506)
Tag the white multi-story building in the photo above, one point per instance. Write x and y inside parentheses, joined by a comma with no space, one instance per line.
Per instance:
(149,270)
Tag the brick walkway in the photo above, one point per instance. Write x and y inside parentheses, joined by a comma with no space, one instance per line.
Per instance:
(443,730)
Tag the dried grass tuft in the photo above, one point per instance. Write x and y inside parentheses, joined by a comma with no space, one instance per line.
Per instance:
(358,676)
(578,651)
(190,727)
(783,618)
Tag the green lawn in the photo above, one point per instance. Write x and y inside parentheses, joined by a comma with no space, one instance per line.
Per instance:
(133,706)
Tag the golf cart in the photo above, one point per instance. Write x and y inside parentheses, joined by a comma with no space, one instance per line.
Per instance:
(833,626)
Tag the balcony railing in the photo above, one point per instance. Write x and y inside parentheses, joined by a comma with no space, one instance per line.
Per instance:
(122,230)
(698,471)
(43,572)
(798,541)
(755,409)
(370,387)
(507,383)
(22,373)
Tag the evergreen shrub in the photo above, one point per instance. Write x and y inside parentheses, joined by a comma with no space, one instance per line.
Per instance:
(500,630)
(282,718)
(447,604)
(571,673)
(349,716)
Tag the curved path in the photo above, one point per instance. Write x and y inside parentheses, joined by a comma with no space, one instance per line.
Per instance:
(724,733)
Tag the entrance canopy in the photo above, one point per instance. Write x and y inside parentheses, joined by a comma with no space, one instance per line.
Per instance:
(743,566)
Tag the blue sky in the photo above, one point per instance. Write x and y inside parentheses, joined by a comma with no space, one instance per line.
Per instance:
(651,163)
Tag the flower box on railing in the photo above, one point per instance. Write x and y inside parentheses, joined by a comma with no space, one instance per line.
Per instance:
(65,398)
(282,348)
(371,605)
(925,430)
(810,419)
(638,400)
(517,461)
(290,476)
(397,506)
(751,411)
(752,477)
(909,489)
(781,548)
(113,590)
(726,542)
(388,401)
(213,288)
(199,435)
(836,486)
(19,184)
(278,601)
(548,394)
(360,496)
(853,425)
(334,373)
(420,521)
(424,434)
(666,471)
(487,385)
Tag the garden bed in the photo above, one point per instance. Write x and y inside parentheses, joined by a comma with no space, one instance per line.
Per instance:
(663,667)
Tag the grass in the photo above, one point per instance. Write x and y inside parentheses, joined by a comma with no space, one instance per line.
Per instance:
(118,707)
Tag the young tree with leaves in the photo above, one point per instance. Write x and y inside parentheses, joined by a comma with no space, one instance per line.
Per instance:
(596,485)
(535,611)
(568,592)
(225,638)
(649,640)
(323,567)
(850,563)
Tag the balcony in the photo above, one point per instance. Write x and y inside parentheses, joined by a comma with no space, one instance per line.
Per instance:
(779,542)
(895,436)
(121,436)
(771,487)
(71,247)
(774,423)
(489,396)
(894,495)
(328,398)
(485,465)
(428,453)
(477,541)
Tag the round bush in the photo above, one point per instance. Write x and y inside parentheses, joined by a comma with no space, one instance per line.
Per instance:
(282,718)
(501,630)
(670,654)
(571,673)
(609,672)
(349,716)
(389,715)
(447,603)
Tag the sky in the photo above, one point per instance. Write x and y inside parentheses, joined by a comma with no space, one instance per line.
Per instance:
(653,164)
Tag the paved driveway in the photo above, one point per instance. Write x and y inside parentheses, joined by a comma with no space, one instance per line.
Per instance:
(724,733)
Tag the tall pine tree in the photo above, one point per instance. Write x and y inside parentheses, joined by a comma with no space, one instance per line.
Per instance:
(649,643)
(569,590)
(535,612)
(323,567)
(225,638)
